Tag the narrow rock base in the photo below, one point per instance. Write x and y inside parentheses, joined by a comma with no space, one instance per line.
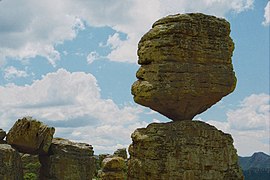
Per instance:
(188,150)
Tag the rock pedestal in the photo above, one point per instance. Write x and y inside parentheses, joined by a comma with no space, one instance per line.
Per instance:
(186,65)
(30,136)
(188,150)
(68,160)
(10,163)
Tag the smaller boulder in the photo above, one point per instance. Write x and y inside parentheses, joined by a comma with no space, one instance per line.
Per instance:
(121,153)
(30,136)
(113,168)
(2,134)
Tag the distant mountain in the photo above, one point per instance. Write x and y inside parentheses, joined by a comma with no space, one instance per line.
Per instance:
(256,167)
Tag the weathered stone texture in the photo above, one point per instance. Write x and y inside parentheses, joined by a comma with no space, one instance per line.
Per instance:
(182,150)
(185,65)
(30,136)
(68,160)
(121,153)
(113,169)
(10,163)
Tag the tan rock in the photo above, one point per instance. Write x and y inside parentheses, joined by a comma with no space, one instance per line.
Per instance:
(185,65)
(182,150)
(10,163)
(121,153)
(30,136)
(113,168)
(68,160)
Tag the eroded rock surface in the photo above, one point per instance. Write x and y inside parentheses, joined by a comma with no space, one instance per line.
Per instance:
(68,160)
(121,153)
(30,136)
(10,163)
(186,65)
(182,150)
(113,168)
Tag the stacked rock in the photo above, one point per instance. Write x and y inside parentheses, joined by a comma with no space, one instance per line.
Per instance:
(59,158)
(186,67)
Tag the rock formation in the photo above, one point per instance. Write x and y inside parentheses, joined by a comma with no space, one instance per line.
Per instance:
(185,69)
(182,150)
(30,136)
(113,168)
(68,160)
(2,134)
(10,163)
(59,158)
(30,166)
(185,65)
(121,153)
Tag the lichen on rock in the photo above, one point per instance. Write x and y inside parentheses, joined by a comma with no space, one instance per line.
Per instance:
(10,163)
(68,160)
(186,65)
(30,136)
(182,150)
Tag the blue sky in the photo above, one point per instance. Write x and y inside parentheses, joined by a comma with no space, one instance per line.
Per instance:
(72,64)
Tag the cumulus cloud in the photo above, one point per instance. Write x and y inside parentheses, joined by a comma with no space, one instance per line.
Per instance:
(11,72)
(92,56)
(72,103)
(266,21)
(34,28)
(248,124)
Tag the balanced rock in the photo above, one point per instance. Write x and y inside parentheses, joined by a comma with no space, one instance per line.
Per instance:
(30,136)
(182,150)
(186,65)
(68,160)
(113,169)
(10,163)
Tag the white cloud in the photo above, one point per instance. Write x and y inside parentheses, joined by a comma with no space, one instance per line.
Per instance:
(11,73)
(31,28)
(92,56)
(266,21)
(72,103)
(249,124)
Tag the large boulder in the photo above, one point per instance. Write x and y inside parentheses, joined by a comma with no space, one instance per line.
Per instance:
(68,160)
(30,136)
(10,163)
(186,65)
(182,150)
